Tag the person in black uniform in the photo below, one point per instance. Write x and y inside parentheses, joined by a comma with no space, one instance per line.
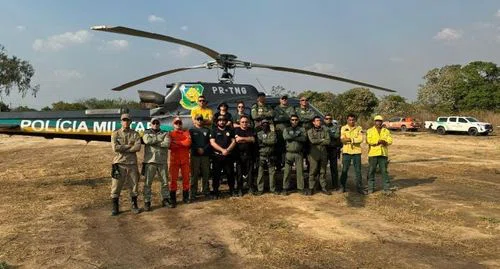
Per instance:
(223,142)
(245,143)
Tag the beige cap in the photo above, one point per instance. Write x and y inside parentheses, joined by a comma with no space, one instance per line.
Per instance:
(125,116)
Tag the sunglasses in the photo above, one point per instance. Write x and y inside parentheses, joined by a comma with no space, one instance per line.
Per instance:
(294,119)
(178,122)
(303,100)
(155,123)
(201,101)
(241,106)
(199,119)
(328,118)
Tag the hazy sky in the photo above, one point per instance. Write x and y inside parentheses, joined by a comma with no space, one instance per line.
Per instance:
(388,42)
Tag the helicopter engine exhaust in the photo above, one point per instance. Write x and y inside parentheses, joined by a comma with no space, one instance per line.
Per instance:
(151,97)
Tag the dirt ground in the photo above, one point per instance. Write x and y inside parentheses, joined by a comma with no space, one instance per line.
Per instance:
(55,213)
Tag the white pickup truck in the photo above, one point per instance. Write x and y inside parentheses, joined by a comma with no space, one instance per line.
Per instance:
(469,125)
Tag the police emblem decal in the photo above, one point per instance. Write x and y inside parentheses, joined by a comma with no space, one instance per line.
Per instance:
(190,94)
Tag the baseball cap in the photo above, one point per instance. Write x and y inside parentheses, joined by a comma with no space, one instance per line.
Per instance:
(284,97)
(261,94)
(125,116)
(378,117)
(264,121)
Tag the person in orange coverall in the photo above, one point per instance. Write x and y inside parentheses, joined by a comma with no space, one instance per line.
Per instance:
(180,146)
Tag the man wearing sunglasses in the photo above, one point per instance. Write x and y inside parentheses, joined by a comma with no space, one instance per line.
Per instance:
(282,114)
(155,161)
(203,110)
(200,157)
(245,145)
(266,140)
(305,113)
(180,145)
(295,137)
(125,143)
(333,148)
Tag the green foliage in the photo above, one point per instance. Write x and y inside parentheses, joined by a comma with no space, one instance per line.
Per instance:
(15,73)
(326,102)
(4,265)
(22,109)
(359,101)
(394,105)
(454,88)
(93,103)
(279,91)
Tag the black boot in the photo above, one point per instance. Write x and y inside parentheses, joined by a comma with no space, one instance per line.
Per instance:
(173,199)
(134,207)
(116,207)
(147,206)
(185,197)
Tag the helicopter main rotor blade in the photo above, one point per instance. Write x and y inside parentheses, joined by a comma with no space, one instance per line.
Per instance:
(157,75)
(133,32)
(311,73)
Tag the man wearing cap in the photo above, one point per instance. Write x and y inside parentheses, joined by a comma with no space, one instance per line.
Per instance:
(202,110)
(223,142)
(155,161)
(282,120)
(125,142)
(319,138)
(351,138)
(295,137)
(261,111)
(333,148)
(378,138)
(240,111)
(266,141)
(200,157)
(305,113)
(245,144)
(180,145)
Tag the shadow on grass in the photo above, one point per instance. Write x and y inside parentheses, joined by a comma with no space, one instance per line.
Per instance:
(403,183)
(91,182)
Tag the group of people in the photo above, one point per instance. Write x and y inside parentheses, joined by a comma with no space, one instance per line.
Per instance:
(240,145)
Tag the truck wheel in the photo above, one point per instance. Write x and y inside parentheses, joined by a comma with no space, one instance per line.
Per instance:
(440,130)
(403,128)
(472,131)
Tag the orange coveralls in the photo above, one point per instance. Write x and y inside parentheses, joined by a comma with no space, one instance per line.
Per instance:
(180,145)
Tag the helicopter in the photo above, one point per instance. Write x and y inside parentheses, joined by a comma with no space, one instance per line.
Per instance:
(179,100)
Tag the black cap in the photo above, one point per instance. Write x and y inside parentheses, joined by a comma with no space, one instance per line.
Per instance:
(221,117)
(199,117)
(284,97)
(261,94)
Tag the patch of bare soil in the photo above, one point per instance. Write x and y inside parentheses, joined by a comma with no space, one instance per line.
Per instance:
(445,213)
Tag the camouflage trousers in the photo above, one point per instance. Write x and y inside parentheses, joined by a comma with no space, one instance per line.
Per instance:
(151,170)
(129,176)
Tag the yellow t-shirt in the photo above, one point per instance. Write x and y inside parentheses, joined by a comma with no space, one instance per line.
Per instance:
(372,138)
(207,113)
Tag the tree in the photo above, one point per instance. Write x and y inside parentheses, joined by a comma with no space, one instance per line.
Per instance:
(439,92)
(94,103)
(392,105)
(15,73)
(63,106)
(4,107)
(359,101)
(22,109)
(326,102)
(279,90)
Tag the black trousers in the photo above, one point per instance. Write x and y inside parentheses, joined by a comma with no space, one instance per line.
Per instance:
(244,167)
(334,172)
(222,163)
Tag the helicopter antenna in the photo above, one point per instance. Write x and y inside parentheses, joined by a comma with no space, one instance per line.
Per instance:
(264,89)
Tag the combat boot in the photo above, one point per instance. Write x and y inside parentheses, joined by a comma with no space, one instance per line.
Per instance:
(134,207)
(173,199)
(147,206)
(185,197)
(116,207)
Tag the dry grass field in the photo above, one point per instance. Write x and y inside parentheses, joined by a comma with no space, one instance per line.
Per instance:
(55,213)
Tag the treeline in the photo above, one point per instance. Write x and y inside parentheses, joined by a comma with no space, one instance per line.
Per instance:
(92,103)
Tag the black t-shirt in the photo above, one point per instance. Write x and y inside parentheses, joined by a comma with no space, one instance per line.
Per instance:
(200,138)
(245,148)
(223,137)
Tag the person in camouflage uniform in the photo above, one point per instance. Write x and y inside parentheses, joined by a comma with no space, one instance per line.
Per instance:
(266,141)
(261,111)
(125,142)
(295,137)
(305,113)
(333,149)
(155,161)
(282,114)
(319,138)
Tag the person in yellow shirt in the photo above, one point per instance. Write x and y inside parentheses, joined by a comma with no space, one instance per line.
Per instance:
(202,110)
(378,138)
(351,138)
